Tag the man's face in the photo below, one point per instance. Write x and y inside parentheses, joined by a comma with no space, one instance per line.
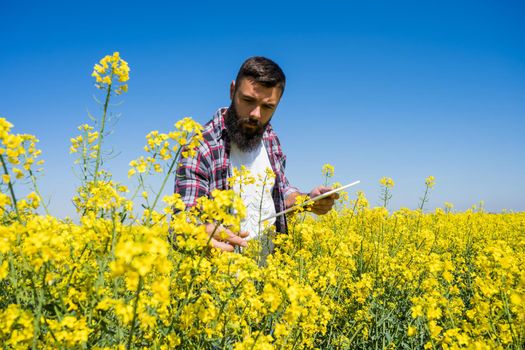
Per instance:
(250,112)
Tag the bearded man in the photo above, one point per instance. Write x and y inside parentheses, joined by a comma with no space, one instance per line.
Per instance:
(242,135)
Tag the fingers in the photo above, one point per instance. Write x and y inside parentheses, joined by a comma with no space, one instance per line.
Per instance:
(227,236)
(332,196)
(324,189)
(326,202)
(321,210)
(323,206)
(222,245)
(225,239)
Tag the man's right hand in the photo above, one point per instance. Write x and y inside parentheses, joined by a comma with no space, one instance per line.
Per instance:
(225,239)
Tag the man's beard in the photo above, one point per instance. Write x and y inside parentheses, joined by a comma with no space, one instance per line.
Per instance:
(238,128)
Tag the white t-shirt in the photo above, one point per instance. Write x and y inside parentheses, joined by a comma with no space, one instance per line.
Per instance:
(257,196)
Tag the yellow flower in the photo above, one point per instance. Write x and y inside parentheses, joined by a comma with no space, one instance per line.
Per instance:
(4,200)
(361,202)
(387,182)
(99,69)
(18,173)
(34,199)
(17,327)
(174,201)
(417,311)
(109,67)
(448,276)
(241,177)
(435,329)
(430,181)
(5,126)
(139,165)
(328,170)
(272,296)
(269,173)
(516,299)
(4,270)
(434,312)
(70,331)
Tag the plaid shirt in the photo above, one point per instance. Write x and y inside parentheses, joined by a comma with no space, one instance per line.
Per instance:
(210,168)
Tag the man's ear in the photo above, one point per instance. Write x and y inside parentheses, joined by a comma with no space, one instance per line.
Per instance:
(232,89)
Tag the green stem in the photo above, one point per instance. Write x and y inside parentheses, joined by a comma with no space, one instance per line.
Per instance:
(138,188)
(163,184)
(192,282)
(265,326)
(134,321)
(35,186)
(11,190)
(38,295)
(424,199)
(85,157)
(508,315)
(101,134)
(261,203)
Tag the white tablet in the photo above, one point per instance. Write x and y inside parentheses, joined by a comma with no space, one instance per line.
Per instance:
(324,195)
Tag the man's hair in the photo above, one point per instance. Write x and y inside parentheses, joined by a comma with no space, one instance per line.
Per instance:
(262,70)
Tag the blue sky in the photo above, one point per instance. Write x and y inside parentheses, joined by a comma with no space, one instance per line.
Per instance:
(398,89)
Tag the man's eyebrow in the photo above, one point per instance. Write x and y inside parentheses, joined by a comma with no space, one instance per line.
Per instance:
(246,96)
(251,98)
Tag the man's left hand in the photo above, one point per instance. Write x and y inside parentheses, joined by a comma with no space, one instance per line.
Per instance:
(323,205)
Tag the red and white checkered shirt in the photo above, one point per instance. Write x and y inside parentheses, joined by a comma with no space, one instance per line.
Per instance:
(210,168)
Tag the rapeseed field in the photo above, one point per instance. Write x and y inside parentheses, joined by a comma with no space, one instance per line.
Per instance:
(359,277)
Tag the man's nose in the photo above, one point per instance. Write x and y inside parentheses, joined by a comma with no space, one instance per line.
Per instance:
(256,112)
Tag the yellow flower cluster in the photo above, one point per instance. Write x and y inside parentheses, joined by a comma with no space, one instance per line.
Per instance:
(386,185)
(18,154)
(430,181)
(387,182)
(102,197)
(109,68)
(17,150)
(167,147)
(69,332)
(220,209)
(85,142)
(17,329)
(328,170)
(447,282)
(241,177)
